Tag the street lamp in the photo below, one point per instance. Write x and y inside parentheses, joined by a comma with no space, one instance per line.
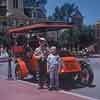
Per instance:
(27,37)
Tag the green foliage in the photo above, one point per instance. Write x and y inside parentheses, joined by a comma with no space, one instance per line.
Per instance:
(65,12)
(87,35)
(83,37)
(44,1)
(4,40)
(70,36)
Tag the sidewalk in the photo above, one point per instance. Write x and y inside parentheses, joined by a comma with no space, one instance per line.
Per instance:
(17,90)
(95,55)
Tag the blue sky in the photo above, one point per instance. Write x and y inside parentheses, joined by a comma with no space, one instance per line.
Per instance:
(90,9)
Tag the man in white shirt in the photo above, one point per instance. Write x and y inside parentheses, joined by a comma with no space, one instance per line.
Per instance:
(41,54)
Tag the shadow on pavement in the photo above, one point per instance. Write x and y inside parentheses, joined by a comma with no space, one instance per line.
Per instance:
(67,85)
(70,85)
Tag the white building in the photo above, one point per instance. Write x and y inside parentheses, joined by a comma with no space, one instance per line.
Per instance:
(15,7)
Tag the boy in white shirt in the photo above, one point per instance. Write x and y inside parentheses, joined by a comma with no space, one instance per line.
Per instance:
(53,66)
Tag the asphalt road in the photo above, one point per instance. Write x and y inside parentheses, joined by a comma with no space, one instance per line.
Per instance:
(18,90)
(85,91)
(4,70)
(95,90)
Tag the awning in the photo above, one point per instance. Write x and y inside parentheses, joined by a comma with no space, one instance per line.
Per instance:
(40,26)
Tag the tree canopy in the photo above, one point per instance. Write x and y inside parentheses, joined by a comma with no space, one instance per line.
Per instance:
(83,37)
(64,13)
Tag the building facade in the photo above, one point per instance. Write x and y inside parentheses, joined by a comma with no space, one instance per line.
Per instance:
(14,7)
(20,12)
(16,15)
(97,35)
(34,9)
(97,30)
(3,11)
(3,7)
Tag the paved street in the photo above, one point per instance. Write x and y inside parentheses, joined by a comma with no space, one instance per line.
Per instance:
(20,90)
(16,90)
(33,30)
(92,91)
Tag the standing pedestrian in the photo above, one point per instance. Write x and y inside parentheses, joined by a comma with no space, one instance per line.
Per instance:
(3,51)
(53,63)
(10,71)
(41,54)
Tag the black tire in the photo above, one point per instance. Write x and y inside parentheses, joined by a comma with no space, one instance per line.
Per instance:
(86,76)
(18,73)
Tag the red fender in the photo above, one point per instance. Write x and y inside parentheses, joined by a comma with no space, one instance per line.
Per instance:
(23,67)
(34,63)
(70,65)
(17,49)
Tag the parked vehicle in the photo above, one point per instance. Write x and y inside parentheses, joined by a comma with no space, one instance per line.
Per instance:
(77,70)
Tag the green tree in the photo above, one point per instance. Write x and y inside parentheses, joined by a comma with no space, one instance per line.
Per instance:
(87,35)
(68,10)
(64,13)
(57,15)
(4,40)
(69,37)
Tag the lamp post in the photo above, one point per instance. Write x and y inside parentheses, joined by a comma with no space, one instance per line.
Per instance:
(28,37)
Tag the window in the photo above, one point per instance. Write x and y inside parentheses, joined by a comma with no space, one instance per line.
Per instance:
(98,33)
(28,3)
(28,12)
(3,10)
(15,3)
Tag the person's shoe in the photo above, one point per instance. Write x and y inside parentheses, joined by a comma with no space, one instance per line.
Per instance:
(50,89)
(57,89)
(40,87)
(29,76)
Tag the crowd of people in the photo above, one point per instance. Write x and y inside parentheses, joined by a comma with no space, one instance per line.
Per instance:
(49,63)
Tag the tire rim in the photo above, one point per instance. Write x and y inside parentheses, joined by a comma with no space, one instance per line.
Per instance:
(84,76)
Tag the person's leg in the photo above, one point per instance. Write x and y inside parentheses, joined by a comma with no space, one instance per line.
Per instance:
(29,66)
(41,80)
(41,74)
(47,80)
(56,79)
(51,79)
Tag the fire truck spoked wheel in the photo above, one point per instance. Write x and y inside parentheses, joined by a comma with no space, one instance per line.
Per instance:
(86,75)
